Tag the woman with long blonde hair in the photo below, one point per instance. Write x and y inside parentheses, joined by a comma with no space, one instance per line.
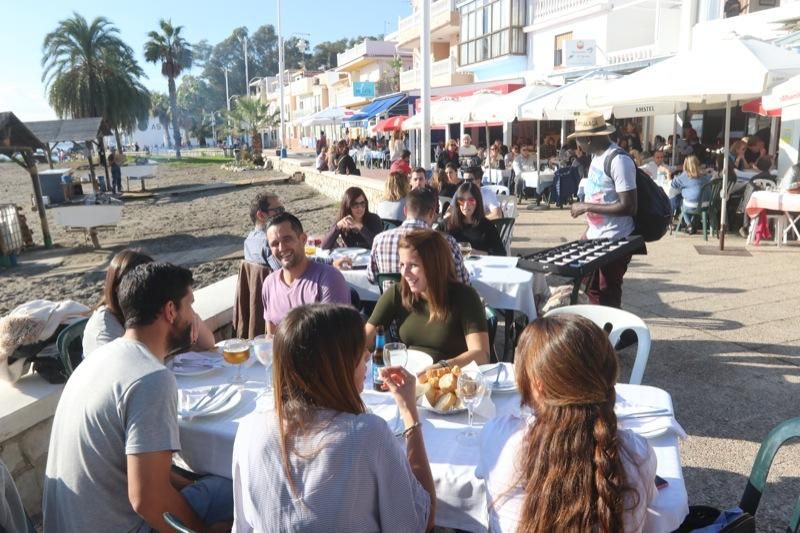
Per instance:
(569,468)
(319,461)
(395,190)
(688,186)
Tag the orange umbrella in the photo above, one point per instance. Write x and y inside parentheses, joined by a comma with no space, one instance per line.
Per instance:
(391,123)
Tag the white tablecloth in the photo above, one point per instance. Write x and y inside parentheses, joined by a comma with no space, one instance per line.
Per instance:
(538,180)
(207,447)
(496,278)
(496,176)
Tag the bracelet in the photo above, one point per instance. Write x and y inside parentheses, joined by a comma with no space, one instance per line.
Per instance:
(443,363)
(406,432)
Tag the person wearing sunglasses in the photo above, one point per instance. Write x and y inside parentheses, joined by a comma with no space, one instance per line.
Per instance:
(468,223)
(356,226)
(491,205)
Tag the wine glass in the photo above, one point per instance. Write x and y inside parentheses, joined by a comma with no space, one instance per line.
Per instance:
(470,389)
(236,352)
(466,248)
(262,347)
(395,353)
(311,247)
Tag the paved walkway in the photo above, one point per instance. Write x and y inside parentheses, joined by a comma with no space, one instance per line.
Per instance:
(726,345)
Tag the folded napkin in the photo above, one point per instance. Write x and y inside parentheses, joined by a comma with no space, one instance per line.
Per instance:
(188,400)
(653,426)
(197,360)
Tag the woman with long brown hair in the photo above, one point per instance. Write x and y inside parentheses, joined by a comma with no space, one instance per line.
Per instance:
(468,222)
(569,467)
(318,461)
(355,226)
(107,322)
(436,313)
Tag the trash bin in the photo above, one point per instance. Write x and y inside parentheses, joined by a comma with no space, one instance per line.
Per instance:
(283,153)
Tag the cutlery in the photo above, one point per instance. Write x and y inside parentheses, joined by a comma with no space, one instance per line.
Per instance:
(209,397)
(500,370)
(646,414)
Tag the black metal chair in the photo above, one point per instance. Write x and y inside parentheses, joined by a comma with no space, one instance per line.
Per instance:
(70,345)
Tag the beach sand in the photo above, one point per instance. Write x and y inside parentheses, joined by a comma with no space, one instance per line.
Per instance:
(203,230)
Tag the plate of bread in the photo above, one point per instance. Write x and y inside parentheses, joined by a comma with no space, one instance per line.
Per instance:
(438,393)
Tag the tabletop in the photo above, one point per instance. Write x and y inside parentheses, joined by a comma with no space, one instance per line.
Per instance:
(538,180)
(772,201)
(207,447)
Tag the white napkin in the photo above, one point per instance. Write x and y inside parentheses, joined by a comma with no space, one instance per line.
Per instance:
(653,426)
(188,398)
(197,360)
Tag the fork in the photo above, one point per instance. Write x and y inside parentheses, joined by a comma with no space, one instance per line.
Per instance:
(208,396)
(501,368)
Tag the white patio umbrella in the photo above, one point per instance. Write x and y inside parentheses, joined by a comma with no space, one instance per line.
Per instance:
(442,112)
(506,107)
(328,116)
(786,97)
(732,69)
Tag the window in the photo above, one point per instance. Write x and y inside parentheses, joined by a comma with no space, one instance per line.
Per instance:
(558,56)
(490,29)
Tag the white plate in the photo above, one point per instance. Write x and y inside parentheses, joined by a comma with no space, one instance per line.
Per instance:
(352,253)
(230,404)
(507,382)
(194,368)
(423,403)
(418,361)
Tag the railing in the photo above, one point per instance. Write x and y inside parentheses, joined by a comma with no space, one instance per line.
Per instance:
(553,8)
(442,73)
(631,54)
(413,23)
(352,54)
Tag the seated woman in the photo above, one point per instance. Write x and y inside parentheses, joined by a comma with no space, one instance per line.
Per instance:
(495,159)
(394,197)
(435,313)
(688,184)
(448,187)
(570,462)
(107,322)
(468,222)
(319,461)
(356,225)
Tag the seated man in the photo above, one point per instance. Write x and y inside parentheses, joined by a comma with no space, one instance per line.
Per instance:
(116,424)
(299,281)
(420,209)
(418,179)
(491,205)
(657,170)
(524,162)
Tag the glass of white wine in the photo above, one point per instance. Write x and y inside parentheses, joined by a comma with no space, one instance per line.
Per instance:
(396,354)
(470,390)
(466,248)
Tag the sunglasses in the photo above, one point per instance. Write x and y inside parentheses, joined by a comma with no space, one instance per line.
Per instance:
(470,201)
(359,204)
(276,210)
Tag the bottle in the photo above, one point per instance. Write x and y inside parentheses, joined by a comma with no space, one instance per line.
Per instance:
(377,360)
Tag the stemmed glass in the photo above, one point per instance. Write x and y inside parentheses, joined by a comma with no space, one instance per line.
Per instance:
(395,354)
(466,248)
(236,352)
(262,347)
(470,389)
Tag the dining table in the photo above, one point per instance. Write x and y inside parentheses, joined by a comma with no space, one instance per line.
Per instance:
(207,443)
(785,205)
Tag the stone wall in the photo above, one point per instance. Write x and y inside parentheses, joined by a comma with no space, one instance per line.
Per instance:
(327,183)
(25,456)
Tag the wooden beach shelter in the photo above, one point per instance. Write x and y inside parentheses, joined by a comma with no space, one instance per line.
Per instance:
(81,131)
(19,143)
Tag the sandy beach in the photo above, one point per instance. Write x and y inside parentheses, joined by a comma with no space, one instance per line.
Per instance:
(202,229)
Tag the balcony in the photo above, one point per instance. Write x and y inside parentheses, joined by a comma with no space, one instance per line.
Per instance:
(302,86)
(363,52)
(445,21)
(444,73)
(629,55)
(544,13)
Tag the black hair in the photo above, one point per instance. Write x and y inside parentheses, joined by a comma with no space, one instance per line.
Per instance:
(293,221)
(421,202)
(145,290)
(261,203)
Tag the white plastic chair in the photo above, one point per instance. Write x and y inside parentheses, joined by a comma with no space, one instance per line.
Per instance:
(509,206)
(619,321)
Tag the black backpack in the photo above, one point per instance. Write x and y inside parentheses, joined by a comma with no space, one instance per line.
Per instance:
(653,211)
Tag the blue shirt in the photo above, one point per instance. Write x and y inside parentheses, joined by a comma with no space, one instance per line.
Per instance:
(690,188)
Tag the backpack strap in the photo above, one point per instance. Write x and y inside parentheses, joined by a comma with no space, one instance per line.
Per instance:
(610,159)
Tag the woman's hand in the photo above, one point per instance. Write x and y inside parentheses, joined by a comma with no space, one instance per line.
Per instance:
(345,223)
(403,387)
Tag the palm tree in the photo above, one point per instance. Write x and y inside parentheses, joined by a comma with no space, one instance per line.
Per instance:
(251,115)
(159,109)
(175,54)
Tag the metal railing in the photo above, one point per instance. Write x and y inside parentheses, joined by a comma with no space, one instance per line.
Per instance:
(442,73)
(631,54)
(553,8)
(439,9)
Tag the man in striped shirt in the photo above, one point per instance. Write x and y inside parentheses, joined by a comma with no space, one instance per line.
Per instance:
(420,210)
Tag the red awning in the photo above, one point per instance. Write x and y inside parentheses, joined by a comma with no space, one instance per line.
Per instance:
(754,106)
(391,123)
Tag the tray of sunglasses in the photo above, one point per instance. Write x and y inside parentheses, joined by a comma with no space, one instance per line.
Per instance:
(579,258)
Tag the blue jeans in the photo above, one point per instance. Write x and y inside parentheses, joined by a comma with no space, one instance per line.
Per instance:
(211,497)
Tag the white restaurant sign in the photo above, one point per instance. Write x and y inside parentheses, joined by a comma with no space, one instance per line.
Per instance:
(580,53)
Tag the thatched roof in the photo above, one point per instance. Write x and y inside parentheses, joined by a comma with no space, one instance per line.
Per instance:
(77,130)
(15,136)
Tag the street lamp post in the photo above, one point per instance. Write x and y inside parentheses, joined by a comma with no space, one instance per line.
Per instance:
(227,103)
(282,75)
(243,40)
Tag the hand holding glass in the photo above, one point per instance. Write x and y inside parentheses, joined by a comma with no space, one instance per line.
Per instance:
(470,389)
(396,354)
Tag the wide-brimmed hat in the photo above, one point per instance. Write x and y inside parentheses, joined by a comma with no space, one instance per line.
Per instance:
(590,124)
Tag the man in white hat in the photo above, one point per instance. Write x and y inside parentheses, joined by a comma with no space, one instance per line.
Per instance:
(609,205)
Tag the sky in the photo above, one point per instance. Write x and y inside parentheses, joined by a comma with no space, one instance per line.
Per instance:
(27,23)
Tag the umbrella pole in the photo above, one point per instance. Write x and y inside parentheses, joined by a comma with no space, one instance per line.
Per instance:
(538,144)
(674,140)
(725,162)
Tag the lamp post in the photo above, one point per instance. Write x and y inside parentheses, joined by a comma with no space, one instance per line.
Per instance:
(282,76)
(227,101)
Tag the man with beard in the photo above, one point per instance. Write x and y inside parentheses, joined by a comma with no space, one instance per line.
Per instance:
(116,425)
(299,281)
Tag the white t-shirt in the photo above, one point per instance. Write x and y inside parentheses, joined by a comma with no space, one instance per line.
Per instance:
(501,444)
(101,328)
(121,401)
(353,475)
(396,149)
(602,189)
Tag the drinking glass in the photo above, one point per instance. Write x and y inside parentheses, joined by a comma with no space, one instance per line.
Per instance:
(466,248)
(311,247)
(395,354)
(262,347)
(236,352)
(470,389)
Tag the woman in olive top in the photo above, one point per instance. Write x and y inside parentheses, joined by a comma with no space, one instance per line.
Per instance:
(435,312)
(469,222)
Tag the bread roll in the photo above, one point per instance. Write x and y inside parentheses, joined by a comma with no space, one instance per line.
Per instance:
(432,395)
(446,402)
(447,383)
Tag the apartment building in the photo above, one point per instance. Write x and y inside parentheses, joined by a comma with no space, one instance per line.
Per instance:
(370,70)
